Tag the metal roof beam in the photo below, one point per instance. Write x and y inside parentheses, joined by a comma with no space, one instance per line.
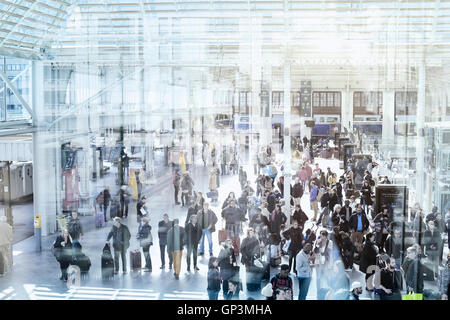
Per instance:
(17,94)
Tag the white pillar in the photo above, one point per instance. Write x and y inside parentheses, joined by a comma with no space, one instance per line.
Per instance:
(420,142)
(388,117)
(44,164)
(287,133)
(347,110)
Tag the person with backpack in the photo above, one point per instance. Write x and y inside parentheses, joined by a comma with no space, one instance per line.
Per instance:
(175,244)
(145,241)
(282,281)
(187,185)
(297,192)
(121,242)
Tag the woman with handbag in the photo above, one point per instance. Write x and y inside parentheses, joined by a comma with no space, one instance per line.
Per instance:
(145,241)
(62,250)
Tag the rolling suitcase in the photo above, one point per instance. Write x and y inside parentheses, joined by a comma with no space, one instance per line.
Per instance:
(83,262)
(107,263)
(135,260)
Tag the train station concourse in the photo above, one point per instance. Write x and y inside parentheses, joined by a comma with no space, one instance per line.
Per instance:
(224,150)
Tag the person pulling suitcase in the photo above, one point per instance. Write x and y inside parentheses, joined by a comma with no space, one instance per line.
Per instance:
(121,242)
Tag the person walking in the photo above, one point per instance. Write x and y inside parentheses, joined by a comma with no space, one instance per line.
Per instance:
(242,177)
(214,279)
(124,201)
(368,257)
(145,241)
(297,192)
(163,229)
(192,234)
(175,244)
(121,242)
(314,199)
(141,209)
(176,185)
(186,189)
(63,252)
(207,220)
(295,235)
(304,271)
(390,281)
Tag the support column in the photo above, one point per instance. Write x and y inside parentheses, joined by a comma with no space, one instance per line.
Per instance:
(388,117)
(287,133)
(420,142)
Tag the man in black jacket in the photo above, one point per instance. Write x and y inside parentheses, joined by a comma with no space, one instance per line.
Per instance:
(414,272)
(299,216)
(121,242)
(163,228)
(192,234)
(358,221)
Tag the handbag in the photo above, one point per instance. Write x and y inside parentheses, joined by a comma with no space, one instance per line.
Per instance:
(412,296)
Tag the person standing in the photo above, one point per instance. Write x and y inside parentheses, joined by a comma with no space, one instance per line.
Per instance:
(124,201)
(295,235)
(242,177)
(227,263)
(176,185)
(6,239)
(186,189)
(105,199)
(297,192)
(175,243)
(313,199)
(192,234)
(214,278)
(433,242)
(121,242)
(414,272)
(207,221)
(138,183)
(277,218)
(282,281)
(390,282)
(74,226)
(141,209)
(163,229)
(304,271)
(145,241)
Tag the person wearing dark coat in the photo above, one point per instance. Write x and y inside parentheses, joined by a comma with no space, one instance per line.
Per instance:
(414,272)
(347,250)
(146,240)
(214,278)
(433,243)
(63,252)
(393,246)
(294,233)
(175,244)
(193,209)
(140,205)
(234,217)
(193,234)
(124,201)
(74,226)
(163,229)
(250,249)
(366,195)
(276,219)
(121,242)
(271,201)
(227,262)
(358,221)
(368,256)
(300,216)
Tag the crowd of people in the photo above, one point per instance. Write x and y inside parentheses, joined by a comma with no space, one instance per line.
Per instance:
(263,230)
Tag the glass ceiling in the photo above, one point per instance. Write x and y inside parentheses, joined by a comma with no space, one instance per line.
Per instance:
(113,29)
